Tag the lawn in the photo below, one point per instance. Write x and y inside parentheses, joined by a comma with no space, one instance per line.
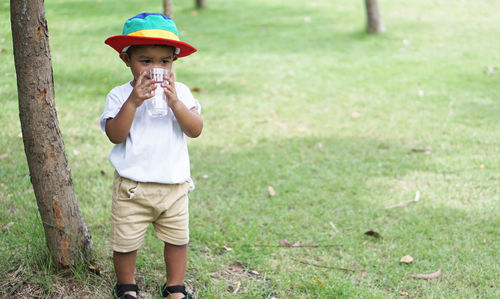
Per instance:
(313,131)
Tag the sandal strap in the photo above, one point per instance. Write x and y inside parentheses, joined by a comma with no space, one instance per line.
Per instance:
(167,290)
(120,289)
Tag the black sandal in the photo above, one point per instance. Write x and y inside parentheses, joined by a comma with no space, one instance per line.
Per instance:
(120,289)
(167,290)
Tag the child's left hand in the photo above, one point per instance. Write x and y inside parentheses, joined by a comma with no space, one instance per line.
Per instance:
(170,91)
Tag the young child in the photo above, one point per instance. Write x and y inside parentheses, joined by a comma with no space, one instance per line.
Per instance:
(152,176)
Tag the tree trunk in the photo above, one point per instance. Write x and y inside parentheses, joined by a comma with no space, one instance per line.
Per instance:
(168,8)
(66,234)
(375,23)
(201,3)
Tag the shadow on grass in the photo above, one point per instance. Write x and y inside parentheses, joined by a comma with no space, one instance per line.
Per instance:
(317,181)
(313,177)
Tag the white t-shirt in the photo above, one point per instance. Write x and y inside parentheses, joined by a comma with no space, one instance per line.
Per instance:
(155,149)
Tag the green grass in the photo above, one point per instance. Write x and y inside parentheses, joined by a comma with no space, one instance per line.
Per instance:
(279,83)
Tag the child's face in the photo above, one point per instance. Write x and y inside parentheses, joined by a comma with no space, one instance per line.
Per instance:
(146,57)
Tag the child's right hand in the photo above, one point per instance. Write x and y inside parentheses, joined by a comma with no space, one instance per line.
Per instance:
(143,89)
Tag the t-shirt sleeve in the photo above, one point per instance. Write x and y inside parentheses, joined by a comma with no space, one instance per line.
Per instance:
(111,108)
(187,97)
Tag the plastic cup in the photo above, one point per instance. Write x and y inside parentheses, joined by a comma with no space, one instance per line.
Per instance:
(157,106)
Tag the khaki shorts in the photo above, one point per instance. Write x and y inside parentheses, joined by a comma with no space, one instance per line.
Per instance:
(136,205)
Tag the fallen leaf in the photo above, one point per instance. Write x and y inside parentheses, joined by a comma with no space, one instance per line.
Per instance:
(237,267)
(227,248)
(426,150)
(428,276)
(271,191)
(195,89)
(373,234)
(103,173)
(3,156)
(406,259)
(490,70)
(195,13)
(403,204)
(95,270)
(285,242)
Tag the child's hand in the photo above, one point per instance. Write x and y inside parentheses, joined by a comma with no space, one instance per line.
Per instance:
(170,91)
(143,89)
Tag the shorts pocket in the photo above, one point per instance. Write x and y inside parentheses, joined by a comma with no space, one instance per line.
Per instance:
(127,189)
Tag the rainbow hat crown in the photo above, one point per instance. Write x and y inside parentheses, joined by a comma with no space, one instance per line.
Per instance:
(149,29)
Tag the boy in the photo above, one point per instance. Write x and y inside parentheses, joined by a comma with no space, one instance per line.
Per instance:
(150,156)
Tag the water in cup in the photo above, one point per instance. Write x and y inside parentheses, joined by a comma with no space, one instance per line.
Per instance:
(157,106)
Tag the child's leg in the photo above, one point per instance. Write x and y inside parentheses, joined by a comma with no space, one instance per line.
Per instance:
(175,260)
(125,267)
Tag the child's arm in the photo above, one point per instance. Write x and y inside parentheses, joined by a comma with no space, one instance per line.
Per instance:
(117,128)
(189,119)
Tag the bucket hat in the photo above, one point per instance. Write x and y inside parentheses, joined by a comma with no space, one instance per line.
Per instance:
(149,29)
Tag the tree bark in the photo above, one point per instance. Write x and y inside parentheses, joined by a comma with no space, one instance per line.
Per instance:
(168,8)
(201,3)
(375,22)
(66,234)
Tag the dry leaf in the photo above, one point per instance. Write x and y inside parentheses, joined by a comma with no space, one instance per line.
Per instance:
(406,259)
(95,270)
(373,234)
(426,150)
(403,204)
(237,267)
(3,156)
(195,89)
(195,13)
(428,276)
(271,191)
(227,248)
(285,242)
(489,70)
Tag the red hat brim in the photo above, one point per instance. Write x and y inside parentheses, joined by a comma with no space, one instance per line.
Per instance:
(119,42)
